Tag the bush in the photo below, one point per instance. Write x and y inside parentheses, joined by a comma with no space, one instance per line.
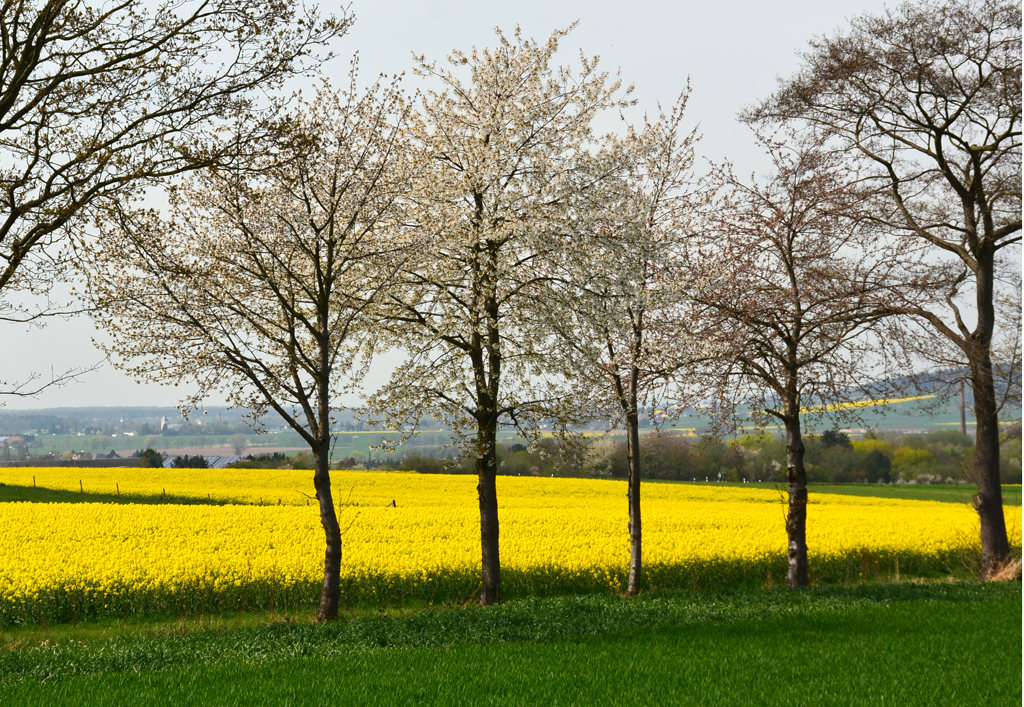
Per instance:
(835,438)
(189,462)
(877,467)
(423,465)
(519,462)
(260,461)
(151,458)
(870,445)
(1010,462)
(909,462)
(302,460)
(668,457)
(604,457)
(948,438)
(272,458)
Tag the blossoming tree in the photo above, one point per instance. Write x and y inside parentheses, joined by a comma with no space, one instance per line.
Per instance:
(798,283)
(492,199)
(259,282)
(628,279)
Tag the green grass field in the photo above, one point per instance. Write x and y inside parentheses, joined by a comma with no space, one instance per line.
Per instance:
(946,493)
(904,644)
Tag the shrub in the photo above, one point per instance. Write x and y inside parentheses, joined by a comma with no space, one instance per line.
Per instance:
(671,457)
(603,456)
(948,438)
(871,445)
(423,465)
(185,461)
(270,460)
(302,460)
(151,458)
(877,467)
(909,462)
(835,438)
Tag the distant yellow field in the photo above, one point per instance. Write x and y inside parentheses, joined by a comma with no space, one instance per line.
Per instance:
(67,560)
(857,404)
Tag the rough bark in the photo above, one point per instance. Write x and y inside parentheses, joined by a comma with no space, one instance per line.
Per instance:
(635,534)
(486,358)
(487,494)
(995,547)
(329,593)
(320,428)
(796,515)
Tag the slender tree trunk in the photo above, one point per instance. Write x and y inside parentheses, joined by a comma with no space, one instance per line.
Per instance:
(329,593)
(329,520)
(487,494)
(796,517)
(635,534)
(486,359)
(995,547)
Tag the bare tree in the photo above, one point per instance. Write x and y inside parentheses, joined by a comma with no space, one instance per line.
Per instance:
(796,280)
(930,94)
(98,101)
(628,278)
(259,284)
(492,200)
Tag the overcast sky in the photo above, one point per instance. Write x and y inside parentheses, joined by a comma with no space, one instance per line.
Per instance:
(731,50)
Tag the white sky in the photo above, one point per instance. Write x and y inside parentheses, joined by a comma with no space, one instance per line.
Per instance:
(731,50)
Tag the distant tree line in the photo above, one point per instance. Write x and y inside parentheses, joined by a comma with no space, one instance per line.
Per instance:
(942,456)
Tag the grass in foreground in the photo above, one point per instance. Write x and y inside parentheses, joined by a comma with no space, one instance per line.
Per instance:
(892,644)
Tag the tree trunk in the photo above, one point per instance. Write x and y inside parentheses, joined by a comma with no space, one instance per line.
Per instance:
(487,494)
(329,593)
(635,535)
(796,517)
(995,547)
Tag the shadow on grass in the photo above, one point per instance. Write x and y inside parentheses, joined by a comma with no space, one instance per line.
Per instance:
(30,494)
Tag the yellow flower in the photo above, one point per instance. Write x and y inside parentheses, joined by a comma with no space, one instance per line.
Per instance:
(67,560)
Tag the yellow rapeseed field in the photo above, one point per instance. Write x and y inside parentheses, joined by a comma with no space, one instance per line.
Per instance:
(65,561)
(857,404)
